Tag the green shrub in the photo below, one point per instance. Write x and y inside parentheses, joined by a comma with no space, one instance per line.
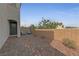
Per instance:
(69,43)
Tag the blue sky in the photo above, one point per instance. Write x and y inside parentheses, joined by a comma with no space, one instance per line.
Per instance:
(32,13)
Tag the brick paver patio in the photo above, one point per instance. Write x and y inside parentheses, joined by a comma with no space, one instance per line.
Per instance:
(28,46)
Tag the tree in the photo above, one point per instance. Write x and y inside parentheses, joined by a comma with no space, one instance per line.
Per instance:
(48,24)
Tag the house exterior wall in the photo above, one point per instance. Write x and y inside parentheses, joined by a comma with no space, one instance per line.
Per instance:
(8,12)
(14,14)
(60,27)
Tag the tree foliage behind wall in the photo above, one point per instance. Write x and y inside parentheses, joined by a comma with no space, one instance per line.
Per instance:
(47,24)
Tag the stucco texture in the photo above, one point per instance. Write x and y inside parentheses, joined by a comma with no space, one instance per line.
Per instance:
(7,12)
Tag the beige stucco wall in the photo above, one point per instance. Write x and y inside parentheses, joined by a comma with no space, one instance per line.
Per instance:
(58,34)
(47,33)
(7,12)
(72,34)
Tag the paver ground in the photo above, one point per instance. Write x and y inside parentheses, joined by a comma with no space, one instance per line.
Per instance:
(28,45)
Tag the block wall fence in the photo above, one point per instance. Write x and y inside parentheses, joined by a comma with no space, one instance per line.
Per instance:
(58,34)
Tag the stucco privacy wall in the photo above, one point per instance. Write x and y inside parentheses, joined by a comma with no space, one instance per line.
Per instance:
(47,33)
(73,34)
(59,34)
(7,12)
